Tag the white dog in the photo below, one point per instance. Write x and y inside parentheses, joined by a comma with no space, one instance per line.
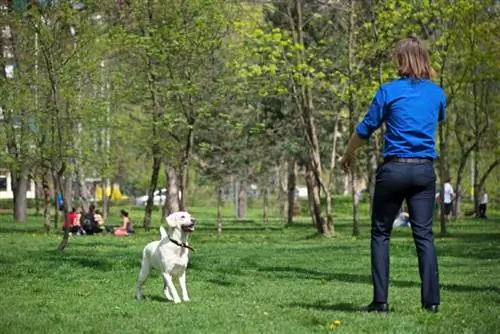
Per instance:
(169,255)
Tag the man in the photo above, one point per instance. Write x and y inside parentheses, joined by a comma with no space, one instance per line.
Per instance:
(482,204)
(449,196)
(411,107)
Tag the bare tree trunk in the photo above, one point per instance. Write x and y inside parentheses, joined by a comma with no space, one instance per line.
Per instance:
(219,210)
(352,118)
(458,186)
(46,204)
(62,185)
(265,210)
(355,204)
(38,196)
(315,202)
(242,199)
(153,183)
(19,184)
(184,171)
(373,162)
(84,192)
(106,199)
(303,96)
(443,176)
(172,201)
(283,186)
(56,192)
(310,189)
(291,185)
(331,177)
(68,192)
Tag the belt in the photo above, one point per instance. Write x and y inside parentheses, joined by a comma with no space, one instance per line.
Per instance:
(408,160)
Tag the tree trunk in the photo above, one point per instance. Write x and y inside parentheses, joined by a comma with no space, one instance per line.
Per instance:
(46,205)
(153,183)
(219,210)
(355,204)
(265,209)
(242,199)
(62,185)
(352,116)
(19,184)
(458,186)
(291,186)
(303,96)
(83,192)
(331,177)
(310,189)
(442,176)
(68,193)
(373,161)
(315,203)
(184,171)
(38,197)
(106,199)
(172,201)
(56,192)
(283,190)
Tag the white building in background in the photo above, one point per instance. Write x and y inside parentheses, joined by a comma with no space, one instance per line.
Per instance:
(6,189)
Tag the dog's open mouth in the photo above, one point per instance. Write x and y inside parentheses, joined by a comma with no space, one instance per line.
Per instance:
(188,228)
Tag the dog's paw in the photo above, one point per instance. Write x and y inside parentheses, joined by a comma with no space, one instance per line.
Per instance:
(139,297)
(186,299)
(177,301)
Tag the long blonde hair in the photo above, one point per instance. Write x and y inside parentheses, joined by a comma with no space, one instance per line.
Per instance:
(412,59)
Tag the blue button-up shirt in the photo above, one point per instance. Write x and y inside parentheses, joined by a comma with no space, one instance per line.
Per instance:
(411,110)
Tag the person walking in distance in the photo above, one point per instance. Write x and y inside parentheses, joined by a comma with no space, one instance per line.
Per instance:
(411,108)
(448,197)
(483,202)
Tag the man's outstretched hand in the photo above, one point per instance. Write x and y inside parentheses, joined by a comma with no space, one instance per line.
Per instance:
(347,161)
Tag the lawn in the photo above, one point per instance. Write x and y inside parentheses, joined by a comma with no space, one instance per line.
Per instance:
(253,279)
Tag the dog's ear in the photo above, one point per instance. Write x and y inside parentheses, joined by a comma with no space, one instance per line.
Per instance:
(172,222)
(163,233)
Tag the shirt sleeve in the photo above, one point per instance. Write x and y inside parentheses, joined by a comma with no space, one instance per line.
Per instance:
(374,117)
(442,109)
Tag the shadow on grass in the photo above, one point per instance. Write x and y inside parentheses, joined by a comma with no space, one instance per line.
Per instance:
(294,273)
(154,298)
(221,282)
(91,261)
(326,306)
(243,228)
(20,228)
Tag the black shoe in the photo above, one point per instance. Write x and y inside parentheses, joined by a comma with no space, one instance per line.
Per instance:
(376,307)
(431,308)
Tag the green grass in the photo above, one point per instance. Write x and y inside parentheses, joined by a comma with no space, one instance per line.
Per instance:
(252,279)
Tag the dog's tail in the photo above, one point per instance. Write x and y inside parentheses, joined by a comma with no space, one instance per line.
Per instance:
(163,233)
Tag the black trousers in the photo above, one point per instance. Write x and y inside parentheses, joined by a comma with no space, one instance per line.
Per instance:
(482,210)
(395,182)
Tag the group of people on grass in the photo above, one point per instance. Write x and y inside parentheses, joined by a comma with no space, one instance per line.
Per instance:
(449,195)
(92,222)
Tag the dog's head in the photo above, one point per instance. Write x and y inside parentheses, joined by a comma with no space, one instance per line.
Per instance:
(181,220)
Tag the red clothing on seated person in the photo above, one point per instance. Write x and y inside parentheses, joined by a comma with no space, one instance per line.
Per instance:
(69,220)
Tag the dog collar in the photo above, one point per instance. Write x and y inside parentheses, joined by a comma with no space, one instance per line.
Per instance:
(183,244)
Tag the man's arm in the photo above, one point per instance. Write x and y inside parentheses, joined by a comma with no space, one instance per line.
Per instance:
(354,143)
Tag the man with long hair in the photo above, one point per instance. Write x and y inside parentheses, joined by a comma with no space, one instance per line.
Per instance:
(411,107)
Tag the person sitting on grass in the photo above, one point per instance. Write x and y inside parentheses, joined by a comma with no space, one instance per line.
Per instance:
(126,228)
(89,223)
(98,218)
(72,222)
